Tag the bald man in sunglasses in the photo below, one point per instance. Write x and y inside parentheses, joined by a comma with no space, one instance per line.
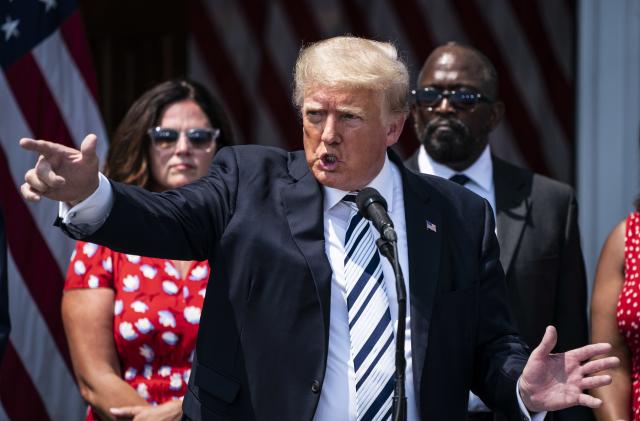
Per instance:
(454,109)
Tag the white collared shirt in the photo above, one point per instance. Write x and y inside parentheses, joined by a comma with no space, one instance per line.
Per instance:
(480,174)
(338,396)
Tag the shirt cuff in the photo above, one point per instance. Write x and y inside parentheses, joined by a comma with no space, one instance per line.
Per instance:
(87,217)
(526,415)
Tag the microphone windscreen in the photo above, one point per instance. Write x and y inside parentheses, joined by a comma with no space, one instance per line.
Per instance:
(367,196)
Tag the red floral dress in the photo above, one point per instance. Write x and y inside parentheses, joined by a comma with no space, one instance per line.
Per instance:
(628,312)
(156,315)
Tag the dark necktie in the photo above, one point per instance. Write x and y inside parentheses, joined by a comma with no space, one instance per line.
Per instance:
(370,330)
(460,179)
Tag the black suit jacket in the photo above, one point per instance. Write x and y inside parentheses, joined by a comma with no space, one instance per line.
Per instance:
(262,345)
(540,252)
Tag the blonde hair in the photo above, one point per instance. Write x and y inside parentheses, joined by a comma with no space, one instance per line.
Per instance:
(353,62)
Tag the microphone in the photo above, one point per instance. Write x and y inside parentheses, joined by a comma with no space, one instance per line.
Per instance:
(373,207)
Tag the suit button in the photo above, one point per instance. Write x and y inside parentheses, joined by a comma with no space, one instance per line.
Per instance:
(315,386)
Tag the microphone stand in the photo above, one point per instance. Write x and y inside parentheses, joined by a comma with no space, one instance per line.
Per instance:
(389,249)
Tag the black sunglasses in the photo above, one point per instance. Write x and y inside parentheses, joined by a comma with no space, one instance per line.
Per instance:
(461,99)
(165,138)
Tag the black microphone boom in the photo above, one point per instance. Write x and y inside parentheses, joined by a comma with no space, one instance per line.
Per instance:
(372,206)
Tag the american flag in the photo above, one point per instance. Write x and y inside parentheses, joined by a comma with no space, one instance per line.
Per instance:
(244,52)
(47,91)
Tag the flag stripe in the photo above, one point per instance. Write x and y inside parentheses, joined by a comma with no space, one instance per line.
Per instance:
(303,21)
(220,67)
(38,107)
(30,337)
(274,93)
(19,397)
(557,86)
(33,259)
(77,107)
(526,134)
(512,42)
(356,19)
(73,34)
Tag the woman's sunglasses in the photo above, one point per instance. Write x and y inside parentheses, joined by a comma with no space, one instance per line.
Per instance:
(165,138)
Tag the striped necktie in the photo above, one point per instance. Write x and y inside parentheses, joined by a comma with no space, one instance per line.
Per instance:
(372,338)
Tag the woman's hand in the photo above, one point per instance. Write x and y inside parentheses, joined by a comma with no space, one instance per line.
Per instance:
(168,411)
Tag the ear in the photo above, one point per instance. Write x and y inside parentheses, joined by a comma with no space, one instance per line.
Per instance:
(394,128)
(495,115)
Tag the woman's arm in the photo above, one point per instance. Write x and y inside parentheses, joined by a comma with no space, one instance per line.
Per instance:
(87,315)
(616,398)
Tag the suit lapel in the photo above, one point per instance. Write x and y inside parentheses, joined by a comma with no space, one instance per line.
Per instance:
(512,209)
(424,248)
(303,203)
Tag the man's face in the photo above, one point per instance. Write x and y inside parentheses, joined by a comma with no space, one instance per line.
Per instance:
(453,136)
(346,135)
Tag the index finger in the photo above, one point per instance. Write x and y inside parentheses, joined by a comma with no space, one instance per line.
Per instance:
(43,147)
(589,351)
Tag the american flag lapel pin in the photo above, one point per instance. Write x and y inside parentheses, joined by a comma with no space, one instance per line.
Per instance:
(431,226)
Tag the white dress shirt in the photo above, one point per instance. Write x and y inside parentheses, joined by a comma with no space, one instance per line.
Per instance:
(480,174)
(338,395)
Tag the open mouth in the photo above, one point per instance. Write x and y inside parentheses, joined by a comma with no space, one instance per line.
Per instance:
(328,161)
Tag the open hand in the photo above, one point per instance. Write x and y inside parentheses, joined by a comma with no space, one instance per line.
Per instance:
(61,173)
(551,382)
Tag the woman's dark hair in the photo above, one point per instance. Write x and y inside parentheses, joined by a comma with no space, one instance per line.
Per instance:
(128,156)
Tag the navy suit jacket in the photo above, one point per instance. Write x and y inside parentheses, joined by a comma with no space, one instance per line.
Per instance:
(262,346)
(540,252)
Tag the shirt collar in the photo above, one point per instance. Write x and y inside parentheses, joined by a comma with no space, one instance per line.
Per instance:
(480,172)
(383,182)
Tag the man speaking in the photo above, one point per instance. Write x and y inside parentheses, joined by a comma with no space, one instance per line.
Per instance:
(300,314)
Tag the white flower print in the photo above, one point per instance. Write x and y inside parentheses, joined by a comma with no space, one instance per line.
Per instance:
(147,352)
(186,375)
(199,273)
(139,307)
(127,332)
(142,391)
(93,282)
(89,249)
(147,372)
(175,382)
(148,271)
(144,325)
(170,270)
(130,373)
(192,314)
(131,283)
(164,371)
(79,268)
(107,264)
(170,338)
(73,255)
(133,258)
(185,292)
(202,292)
(169,287)
(166,318)
(117,307)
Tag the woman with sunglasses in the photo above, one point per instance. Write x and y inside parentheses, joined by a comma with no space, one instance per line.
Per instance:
(132,321)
